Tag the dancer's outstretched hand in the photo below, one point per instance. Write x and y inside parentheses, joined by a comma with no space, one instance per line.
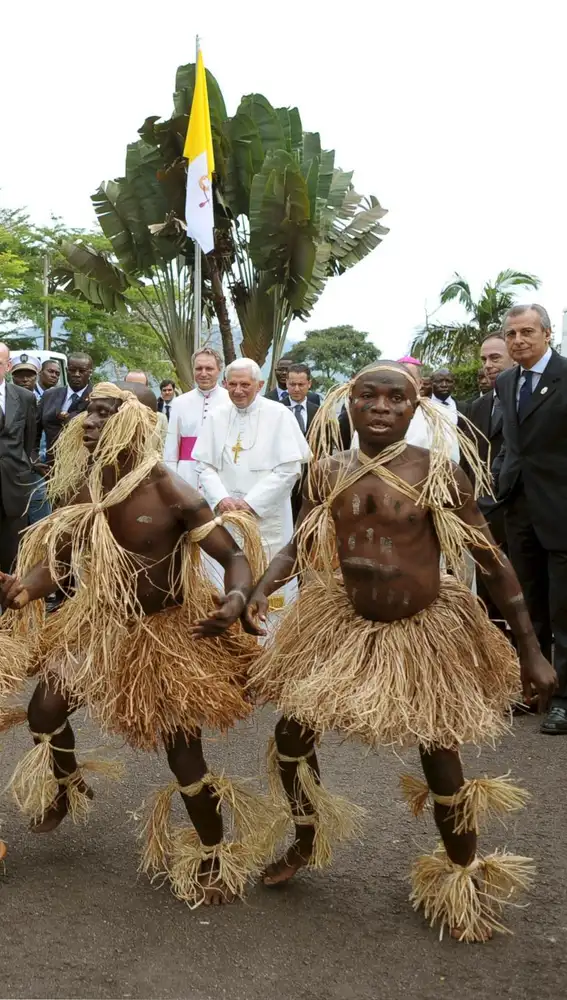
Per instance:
(256,612)
(12,593)
(228,610)
(537,672)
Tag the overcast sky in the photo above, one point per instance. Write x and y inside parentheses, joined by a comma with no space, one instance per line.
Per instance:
(452,113)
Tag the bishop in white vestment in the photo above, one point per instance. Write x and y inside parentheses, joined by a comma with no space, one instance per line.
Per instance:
(189,413)
(249,455)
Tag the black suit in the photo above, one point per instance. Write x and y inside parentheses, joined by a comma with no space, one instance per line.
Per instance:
(48,419)
(17,445)
(532,485)
(485,413)
(296,493)
(164,406)
(312,397)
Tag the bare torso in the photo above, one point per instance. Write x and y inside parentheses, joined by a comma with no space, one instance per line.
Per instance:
(388,548)
(149,523)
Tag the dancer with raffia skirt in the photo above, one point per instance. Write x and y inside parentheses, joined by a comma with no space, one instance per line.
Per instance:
(142,641)
(393,653)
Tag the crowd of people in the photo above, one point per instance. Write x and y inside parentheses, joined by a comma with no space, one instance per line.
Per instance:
(310,553)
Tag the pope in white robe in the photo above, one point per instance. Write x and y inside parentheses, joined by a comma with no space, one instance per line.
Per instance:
(249,455)
(189,413)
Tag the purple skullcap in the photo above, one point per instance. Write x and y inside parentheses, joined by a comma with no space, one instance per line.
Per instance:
(408,360)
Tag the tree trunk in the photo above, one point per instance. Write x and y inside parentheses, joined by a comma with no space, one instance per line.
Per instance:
(221,310)
(181,361)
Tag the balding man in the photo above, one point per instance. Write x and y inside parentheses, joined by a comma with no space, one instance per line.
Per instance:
(250,453)
(532,484)
(140,377)
(17,443)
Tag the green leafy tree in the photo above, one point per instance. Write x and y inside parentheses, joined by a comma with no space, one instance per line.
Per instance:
(466,379)
(286,220)
(82,324)
(334,354)
(457,343)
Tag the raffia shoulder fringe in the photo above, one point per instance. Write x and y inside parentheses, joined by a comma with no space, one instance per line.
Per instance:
(334,818)
(478,798)
(443,677)
(471,899)
(178,854)
(439,492)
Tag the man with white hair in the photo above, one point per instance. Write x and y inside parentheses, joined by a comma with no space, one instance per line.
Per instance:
(190,411)
(249,457)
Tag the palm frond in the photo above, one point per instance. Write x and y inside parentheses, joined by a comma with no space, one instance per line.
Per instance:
(511,278)
(458,289)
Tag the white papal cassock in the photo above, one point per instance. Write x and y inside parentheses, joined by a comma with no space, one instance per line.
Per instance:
(255,454)
(188,415)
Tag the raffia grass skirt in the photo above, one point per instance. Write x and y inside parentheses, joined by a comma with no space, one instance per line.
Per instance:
(149,677)
(443,677)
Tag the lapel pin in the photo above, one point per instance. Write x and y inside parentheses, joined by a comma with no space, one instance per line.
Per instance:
(544,390)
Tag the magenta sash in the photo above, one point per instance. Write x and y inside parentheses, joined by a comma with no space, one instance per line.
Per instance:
(186,445)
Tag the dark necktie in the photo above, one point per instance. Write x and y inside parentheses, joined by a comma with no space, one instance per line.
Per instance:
(495,415)
(74,403)
(167,411)
(298,410)
(525,393)
(284,395)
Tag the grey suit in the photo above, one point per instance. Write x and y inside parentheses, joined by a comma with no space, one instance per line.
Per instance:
(17,443)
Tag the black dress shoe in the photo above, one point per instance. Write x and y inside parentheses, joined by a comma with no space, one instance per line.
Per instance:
(555,722)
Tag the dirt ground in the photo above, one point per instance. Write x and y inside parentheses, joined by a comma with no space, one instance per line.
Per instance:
(78,922)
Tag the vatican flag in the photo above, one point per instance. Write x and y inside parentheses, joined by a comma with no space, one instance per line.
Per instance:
(199,151)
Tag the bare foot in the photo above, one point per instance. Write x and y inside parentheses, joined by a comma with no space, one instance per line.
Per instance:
(482,939)
(284,869)
(215,892)
(58,810)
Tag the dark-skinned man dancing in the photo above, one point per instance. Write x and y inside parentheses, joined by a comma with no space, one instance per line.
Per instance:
(391,652)
(139,641)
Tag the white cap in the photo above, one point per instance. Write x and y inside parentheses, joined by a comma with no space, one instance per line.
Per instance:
(23,360)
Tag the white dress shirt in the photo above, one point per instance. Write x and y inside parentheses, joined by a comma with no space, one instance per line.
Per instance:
(69,397)
(537,371)
(448,405)
(3,396)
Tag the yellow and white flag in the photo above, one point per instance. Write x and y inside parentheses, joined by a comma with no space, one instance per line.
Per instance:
(199,151)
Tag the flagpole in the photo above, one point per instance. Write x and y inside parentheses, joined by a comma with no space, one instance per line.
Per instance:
(197,282)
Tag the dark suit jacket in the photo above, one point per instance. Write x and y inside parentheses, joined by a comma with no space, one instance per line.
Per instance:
(313,397)
(17,447)
(480,414)
(534,454)
(161,405)
(297,492)
(48,411)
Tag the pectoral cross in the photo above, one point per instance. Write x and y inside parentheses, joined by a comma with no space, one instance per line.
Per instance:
(236,449)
